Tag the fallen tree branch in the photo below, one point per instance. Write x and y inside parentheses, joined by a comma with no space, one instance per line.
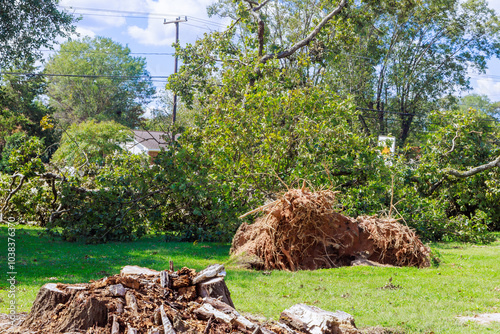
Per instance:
(307,39)
(473,171)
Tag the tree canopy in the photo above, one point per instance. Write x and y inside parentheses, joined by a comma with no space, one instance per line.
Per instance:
(27,25)
(97,78)
(90,142)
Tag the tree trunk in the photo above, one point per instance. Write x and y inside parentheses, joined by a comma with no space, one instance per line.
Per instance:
(406,121)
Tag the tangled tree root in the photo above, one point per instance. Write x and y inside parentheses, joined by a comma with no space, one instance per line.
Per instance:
(301,230)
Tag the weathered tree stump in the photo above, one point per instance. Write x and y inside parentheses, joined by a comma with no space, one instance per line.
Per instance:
(47,300)
(82,313)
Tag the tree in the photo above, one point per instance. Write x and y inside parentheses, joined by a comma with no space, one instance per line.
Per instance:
(416,52)
(98,79)
(90,142)
(27,25)
(481,103)
(21,109)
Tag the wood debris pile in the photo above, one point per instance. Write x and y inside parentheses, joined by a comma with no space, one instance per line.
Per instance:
(301,230)
(143,301)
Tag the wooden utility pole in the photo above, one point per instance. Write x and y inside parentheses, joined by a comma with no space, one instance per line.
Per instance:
(176,21)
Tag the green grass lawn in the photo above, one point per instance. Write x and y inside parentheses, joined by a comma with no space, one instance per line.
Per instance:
(467,281)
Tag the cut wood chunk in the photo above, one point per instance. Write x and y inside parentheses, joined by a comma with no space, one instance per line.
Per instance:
(119,307)
(164,279)
(213,270)
(215,288)
(132,330)
(117,290)
(181,281)
(130,282)
(131,302)
(136,270)
(153,331)
(167,325)
(239,320)
(206,311)
(115,328)
(188,292)
(313,320)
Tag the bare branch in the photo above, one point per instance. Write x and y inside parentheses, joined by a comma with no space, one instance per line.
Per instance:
(453,142)
(308,39)
(473,171)
(12,192)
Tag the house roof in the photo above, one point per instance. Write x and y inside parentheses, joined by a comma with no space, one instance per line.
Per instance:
(152,140)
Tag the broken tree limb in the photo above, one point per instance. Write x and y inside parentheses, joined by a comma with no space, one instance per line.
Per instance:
(473,171)
(307,39)
(167,325)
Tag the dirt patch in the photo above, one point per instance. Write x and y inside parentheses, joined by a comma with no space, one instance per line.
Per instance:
(301,230)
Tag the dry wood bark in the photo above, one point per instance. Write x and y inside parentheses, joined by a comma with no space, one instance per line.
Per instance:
(215,287)
(313,320)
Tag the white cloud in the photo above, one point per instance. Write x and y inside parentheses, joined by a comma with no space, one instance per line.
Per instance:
(83,32)
(488,87)
(495,4)
(157,33)
(100,18)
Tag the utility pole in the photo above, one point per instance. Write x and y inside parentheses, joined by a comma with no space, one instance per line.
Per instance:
(176,21)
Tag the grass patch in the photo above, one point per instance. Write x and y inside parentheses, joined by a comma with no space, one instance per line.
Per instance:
(466,282)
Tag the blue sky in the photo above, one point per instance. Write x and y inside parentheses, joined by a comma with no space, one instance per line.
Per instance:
(139,24)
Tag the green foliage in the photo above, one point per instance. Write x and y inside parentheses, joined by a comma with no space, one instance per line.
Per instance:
(90,142)
(112,204)
(27,26)
(25,159)
(116,87)
(200,204)
(11,143)
(21,109)
(465,229)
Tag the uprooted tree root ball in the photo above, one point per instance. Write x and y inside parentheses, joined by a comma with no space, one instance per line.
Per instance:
(301,230)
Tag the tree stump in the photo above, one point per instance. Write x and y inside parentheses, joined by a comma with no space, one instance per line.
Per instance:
(47,300)
(215,287)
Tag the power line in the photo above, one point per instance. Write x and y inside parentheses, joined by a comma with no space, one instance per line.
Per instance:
(102,52)
(85,75)
(135,14)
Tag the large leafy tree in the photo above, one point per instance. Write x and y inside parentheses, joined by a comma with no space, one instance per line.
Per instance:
(21,110)
(98,79)
(27,25)
(412,53)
